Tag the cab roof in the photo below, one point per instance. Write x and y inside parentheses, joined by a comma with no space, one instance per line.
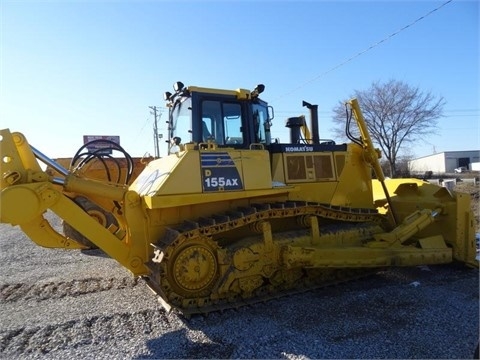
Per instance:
(241,94)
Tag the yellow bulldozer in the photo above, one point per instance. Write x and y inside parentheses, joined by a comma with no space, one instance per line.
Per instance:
(232,217)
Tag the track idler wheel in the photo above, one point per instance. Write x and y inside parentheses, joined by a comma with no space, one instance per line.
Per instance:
(193,268)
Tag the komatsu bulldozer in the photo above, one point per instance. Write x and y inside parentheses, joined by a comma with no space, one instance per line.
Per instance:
(231,217)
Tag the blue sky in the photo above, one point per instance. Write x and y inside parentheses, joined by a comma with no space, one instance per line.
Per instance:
(74,68)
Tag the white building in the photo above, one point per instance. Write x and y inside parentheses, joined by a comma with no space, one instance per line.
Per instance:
(444,162)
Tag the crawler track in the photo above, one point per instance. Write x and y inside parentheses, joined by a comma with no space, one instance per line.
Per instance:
(200,266)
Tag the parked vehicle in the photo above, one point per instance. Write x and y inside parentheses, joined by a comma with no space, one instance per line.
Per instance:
(461,169)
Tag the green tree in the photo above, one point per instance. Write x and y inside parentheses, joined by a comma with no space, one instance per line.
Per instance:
(397,115)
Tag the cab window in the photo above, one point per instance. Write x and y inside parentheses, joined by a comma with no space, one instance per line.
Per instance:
(260,121)
(222,122)
(180,121)
(232,121)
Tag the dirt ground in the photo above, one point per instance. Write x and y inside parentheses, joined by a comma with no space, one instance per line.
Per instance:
(60,304)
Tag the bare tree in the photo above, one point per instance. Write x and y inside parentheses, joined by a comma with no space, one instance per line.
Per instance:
(396,115)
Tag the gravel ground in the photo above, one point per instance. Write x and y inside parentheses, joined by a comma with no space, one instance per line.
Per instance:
(58,304)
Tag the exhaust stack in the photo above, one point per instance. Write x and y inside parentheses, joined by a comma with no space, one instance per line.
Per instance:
(313,121)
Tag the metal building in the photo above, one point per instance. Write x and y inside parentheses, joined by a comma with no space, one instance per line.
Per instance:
(444,162)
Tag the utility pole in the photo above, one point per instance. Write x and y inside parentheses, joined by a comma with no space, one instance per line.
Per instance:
(156,135)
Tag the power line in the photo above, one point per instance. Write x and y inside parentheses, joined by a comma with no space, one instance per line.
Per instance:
(143,127)
(325,112)
(462,110)
(364,51)
(448,113)
(455,116)
(458,128)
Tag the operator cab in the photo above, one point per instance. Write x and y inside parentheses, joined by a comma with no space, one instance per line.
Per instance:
(228,118)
